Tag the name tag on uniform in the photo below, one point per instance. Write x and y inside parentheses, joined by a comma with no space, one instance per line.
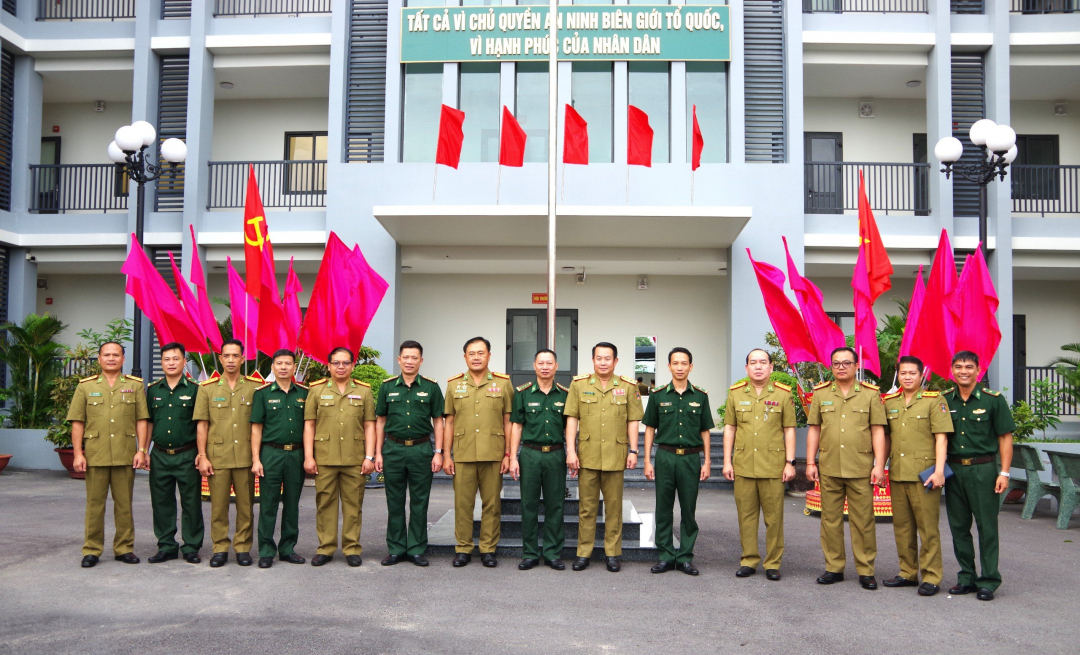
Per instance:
(534,404)
(745,402)
(183,398)
(894,411)
(979,411)
(94,394)
(353,396)
(827,402)
(327,397)
(618,392)
(393,394)
(219,400)
(421,394)
(156,398)
(665,404)
(274,400)
(584,393)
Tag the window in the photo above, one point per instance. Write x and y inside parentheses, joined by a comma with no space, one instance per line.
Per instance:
(706,87)
(1035,180)
(480,3)
(479,99)
(844,320)
(592,96)
(531,108)
(420,112)
(305,171)
(650,91)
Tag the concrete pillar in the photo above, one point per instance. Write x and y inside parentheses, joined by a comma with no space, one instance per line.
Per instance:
(621,94)
(22,285)
(680,125)
(26,142)
(736,91)
(939,111)
(339,73)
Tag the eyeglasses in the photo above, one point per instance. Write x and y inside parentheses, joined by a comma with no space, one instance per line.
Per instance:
(844,364)
(340,364)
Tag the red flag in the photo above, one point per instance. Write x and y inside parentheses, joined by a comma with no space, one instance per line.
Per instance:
(157,301)
(978,302)
(365,301)
(866,344)
(245,312)
(878,266)
(256,236)
(575,138)
(934,338)
(699,145)
(191,305)
(785,319)
(273,333)
(918,295)
(512,141)
(824,333)
(639,138)
(293,315)
(325,327)
(448,151)
(209,324)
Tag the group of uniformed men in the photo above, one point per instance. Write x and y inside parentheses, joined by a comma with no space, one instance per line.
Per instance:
(233,428)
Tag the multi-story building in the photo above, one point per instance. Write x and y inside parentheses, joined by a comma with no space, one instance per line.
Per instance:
(343,135)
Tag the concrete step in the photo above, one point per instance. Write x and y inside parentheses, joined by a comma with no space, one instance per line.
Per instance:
(511,524)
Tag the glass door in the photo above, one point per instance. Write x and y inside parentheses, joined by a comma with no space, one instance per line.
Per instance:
(526,333)
(824,177)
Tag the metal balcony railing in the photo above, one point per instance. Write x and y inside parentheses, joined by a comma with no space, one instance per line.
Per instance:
(1045,189)
(85,9)
(226,8)
(833,187)
(967,6)
(60,188)
(1024,377)
(1044,6)
(865,6)
(281,183)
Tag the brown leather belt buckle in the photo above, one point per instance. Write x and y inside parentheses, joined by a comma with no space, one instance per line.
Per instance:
(289,446)
(409,442)
(545,449)
(170,451)
(967,461)
(680,451)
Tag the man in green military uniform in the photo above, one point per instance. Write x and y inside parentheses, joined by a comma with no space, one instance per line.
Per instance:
(223,410)
(679,419)
(918,423)
(339,450)
(172,460)
(982,432)
(607,409)
(409,411)
(108,417)
(277,456)
(759,457)
(540,429)
(477,408)
(847,420)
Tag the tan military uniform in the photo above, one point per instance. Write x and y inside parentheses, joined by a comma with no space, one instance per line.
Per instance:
(603,415)
(846,459)
(339,449)
(479,447)
(758,459)
(109,415)
(228,447)
(916,510)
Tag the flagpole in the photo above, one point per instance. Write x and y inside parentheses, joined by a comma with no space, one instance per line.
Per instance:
(691,186)
(553,98)
(434,182)
(562,196)
(498,183)
(628,184)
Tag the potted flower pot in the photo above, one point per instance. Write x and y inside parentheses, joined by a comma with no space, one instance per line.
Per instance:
(4,459)
(67,458)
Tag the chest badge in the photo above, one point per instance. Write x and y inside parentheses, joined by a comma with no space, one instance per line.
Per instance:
(558,404)
(183,398)
(534,404)
(978,411)
(421,394)
(618,392)
(494,389)
(391,395)
(353,396)
(327,397)
(666,404)
(745,402)
(127,391)
(826,403)
(218,400)
(94,394)
(770,403)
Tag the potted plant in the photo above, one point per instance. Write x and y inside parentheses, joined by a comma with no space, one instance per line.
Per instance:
(33,359)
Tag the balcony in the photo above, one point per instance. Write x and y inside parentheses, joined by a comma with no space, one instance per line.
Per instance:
(229,8)
(62,188)
(1044,6)
(1045,189)
(833,187)
(865,6)
(85,9)
(1023,377)
(282,184)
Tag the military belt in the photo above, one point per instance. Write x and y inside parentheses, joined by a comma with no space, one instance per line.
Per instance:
(681,451)
(284,446)
(968,461)
(175,451)
(544,449)
(411,442)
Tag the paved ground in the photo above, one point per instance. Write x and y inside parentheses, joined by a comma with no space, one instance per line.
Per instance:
(49,605)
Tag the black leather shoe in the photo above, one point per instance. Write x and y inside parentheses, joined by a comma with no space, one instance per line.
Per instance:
(580,564)
(127,558)
(266,562)
(613,564)
(687,567)
(391,560)
(488,560)
(243,559)
(927,589)
(527,564)
(353,560)
(829,577)
(192,558)
(218,559)
(89,561)
(961,589)
(662,567)
(319,560)
(868,582)
(462,559)
(745,572)
(985,594)
(418,560)
(772,574)
(292,558)
(161,556)
(900,582)
(556,564)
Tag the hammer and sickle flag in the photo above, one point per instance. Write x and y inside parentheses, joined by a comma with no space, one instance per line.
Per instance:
(256,236)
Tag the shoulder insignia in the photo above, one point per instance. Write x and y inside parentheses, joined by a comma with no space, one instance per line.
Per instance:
(822,385)
(429,379)
(255,378)
(992,392)
(454,377)
(89,379)
(931,394)
(157,381)
(562,387)
(136,377)
(658,388)
(319,381)
(871,386)
(582,377)
(501,375)
(392,377)
(785,387)
(739,385)
(525,386)
(264,386)
(628,380)
(894,395)
(206,382)
(362,383)
(700,389)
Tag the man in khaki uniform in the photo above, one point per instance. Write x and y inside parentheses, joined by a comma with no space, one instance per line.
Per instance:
(108,417)
(759,456)
(223,410)
(478,406)
(918,423)
(339,450)
(607,409)
(847,420)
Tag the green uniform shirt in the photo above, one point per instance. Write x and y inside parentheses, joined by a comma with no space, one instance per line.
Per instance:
(679,418)
(281,414)
(339,421)
(409,409)
(603,415)
(228,443)
(110,415)
(846,447)
(540,414)
(912,429)
(759,422)
(171,412)
(978,422)
(478,412)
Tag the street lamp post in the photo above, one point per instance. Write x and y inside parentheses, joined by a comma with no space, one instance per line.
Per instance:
(997,143)
(130,149)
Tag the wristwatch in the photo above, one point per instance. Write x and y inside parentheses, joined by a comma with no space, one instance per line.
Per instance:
(1005,474)
(633,452)
(438,451)
(143,450)
(791,461)
(370,458)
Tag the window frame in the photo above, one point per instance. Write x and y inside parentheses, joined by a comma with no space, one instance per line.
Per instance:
(286,185)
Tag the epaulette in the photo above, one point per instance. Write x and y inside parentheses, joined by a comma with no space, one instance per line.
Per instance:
(206,382)
(930,394)
(992,392)
(319,381)
(363,384)
(562,387)
(88,379)
(429,379)
(581,377)
(894,395)
(255,378)
(157,381)
(301,385)
(264,386)
(949,390)
(524,386)
(392,377)
(628,380)
(739,385)
(136,377)
(785,387)
(822,385)
(659,387)
(454,377)
(700,389)
(501,375)
(871,386)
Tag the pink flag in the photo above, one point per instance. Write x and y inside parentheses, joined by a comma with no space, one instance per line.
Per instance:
(245,313)
(865,322)
(824,333)
(934,338)
(293,315)
(785,319)
(157,301)
(191,306)
(273,332)
(918,294)
(979,331)
(366,301)
(325,327)
(208,323)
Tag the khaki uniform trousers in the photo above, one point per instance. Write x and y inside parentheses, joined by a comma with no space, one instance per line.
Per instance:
(242,482)
(99,480)
(860,499)
(468,478)
(916,513)
(592,483)
(334,485)
(764,496)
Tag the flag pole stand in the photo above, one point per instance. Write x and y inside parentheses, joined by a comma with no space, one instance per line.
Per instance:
(434,183)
